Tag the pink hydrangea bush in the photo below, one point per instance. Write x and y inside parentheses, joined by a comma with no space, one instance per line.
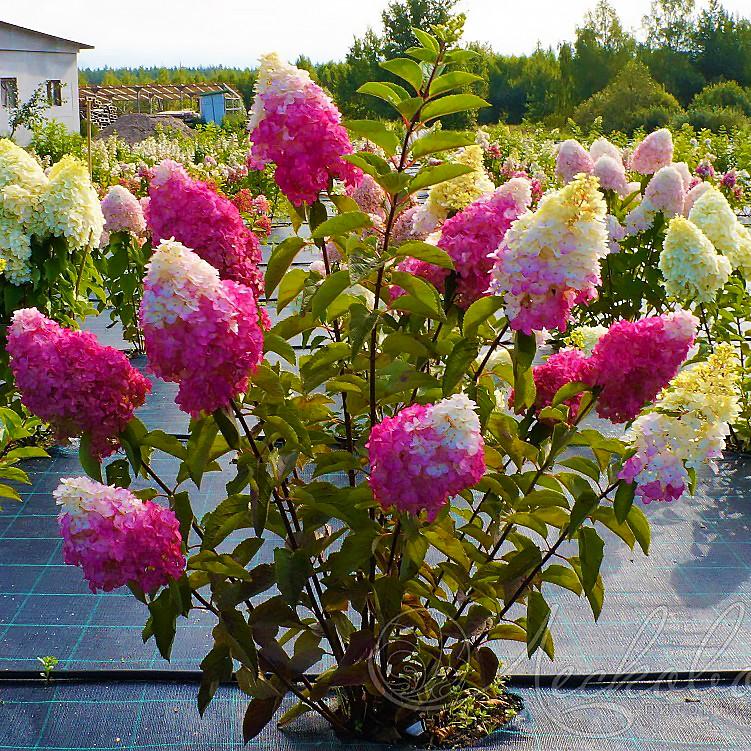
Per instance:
(122,212)
(116,538)
(426,454)
(71,381)
(295,125)
(200,332)
(194,214)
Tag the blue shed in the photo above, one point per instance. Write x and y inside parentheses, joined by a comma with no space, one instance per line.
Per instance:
(213,107)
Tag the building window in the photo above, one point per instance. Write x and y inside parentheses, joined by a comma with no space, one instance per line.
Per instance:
(8,93)
(54,93)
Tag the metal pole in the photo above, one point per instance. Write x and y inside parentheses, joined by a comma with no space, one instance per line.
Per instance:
(88,139)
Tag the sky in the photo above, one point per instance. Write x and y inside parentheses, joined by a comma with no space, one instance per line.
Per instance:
(236,32)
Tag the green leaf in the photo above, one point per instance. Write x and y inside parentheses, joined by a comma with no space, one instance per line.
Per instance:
(342,224)
(422,292)
(624,500)
(280,260)
(228,428)
(291,286)
(274,343)
(259,713)
(118,473)
(426,40)
(298,709)
(292,571)
(538,617)
(425,252)
(180,503)
(362,261)
(524,384)
(440,140)
(453,80)
(331,287)
(382,91)
(164,611)
(591,547)
(428,176)
(585,466)
(479,312)
(640,527)
(406,69)
(457,364)
(375,132)
(360,325)
(216,668)
(399,342)
(562,576)
(569,391)
(447,105)
(213,563)
(158,439)
(91,465)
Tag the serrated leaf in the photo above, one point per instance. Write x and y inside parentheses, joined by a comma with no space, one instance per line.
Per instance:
(538,617)
(426,40)
(452,80)
(91,465)
(624,500)
(342,224)
(280,260)
(406,69)
(291,286)
(591,549)
(425,252)
(274,343)
(457,364)
(479,312)
(452,103)
(640,527)
(440,140)
(375,132)
(428,176)
(331,287)
(380,91)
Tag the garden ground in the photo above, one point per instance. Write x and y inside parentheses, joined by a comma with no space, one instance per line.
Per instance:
(685,609)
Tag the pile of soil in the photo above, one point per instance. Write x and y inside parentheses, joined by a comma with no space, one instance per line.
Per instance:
(133,128)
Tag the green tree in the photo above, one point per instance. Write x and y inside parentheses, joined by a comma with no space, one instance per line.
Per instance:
(670,24)
(722,45)
(401,16)
(632,100)
(602,48)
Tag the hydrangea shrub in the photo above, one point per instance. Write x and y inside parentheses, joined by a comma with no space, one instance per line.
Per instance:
(424,482)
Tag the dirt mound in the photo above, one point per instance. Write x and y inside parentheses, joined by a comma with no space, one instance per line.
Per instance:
(136,127)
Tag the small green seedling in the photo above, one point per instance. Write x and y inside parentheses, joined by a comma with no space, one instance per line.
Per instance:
(49,663)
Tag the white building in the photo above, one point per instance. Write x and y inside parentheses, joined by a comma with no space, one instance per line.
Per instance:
(29,59)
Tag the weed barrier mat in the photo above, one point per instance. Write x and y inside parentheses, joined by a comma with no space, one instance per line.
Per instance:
(144,716)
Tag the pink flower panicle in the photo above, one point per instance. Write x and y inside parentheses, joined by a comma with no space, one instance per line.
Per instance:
(194,214)
(116,538)
(653,153)
(71,381)
(295,125)
(560,369)
(572,160)
(471,236)
(424,455)
(200,332)
(122,212)
(634,361)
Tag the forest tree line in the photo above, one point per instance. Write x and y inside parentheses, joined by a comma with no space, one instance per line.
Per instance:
(684,64)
